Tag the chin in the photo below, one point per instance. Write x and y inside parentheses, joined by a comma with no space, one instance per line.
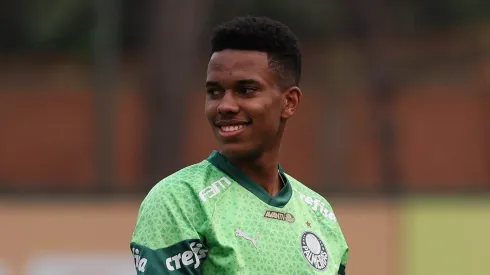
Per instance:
(239,151)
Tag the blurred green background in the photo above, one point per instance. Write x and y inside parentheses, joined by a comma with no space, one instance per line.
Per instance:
(446,235)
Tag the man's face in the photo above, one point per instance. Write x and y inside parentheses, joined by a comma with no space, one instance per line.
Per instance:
(244,104)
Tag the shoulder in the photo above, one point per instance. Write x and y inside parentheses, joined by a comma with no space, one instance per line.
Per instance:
(316,201)
(182,183)
(185,189)
(171,206)
(303,189)
(175,191)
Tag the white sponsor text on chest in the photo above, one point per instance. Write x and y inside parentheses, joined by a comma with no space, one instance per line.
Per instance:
(317,205)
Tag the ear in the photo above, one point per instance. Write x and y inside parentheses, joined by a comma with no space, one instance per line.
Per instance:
(291,98)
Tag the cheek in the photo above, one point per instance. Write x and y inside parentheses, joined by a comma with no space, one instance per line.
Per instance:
(210,110)
(274,109)
(270,114)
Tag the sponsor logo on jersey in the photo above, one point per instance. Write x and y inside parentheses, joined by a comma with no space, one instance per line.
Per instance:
(279,216)
(314,250)
(317,205)
(240,233)
(214,189)
(139,262)
(190,257)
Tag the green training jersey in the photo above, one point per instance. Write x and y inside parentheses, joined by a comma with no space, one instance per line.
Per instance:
(211,218)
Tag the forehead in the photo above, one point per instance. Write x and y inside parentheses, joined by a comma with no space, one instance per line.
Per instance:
(236,64)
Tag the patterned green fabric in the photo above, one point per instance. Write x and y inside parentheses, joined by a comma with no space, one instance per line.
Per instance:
(210,218)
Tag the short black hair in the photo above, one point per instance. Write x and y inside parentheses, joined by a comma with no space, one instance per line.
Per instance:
(265,35)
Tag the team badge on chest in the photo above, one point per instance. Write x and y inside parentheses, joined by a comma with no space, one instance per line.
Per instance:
(314,250)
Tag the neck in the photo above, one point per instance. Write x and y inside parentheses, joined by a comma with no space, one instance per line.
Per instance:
(263,170)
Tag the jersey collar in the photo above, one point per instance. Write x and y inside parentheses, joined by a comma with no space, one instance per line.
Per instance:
(279,200)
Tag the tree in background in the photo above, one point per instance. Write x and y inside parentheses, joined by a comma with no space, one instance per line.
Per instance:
(170,53)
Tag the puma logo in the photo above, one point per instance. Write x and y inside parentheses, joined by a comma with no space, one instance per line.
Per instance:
(240,233)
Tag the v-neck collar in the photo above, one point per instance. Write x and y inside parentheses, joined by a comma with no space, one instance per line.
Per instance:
(279,200)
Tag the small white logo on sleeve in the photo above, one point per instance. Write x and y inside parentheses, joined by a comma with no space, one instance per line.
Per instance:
(214,189)
(314,250)
(187,258)
(139,263)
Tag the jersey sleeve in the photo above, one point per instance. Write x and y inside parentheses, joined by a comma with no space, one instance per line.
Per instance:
(166,238)
(343,263)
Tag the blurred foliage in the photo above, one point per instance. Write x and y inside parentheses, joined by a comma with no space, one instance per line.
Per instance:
(46,25)
(451,13)
(309,19)
(69,26)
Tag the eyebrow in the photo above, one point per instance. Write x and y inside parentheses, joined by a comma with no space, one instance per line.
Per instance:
(212,83)
(247,81)
(240,82)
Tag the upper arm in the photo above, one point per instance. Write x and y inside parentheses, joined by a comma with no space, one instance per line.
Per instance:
(166,236)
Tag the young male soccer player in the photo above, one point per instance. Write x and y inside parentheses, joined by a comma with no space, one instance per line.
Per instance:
(238,212)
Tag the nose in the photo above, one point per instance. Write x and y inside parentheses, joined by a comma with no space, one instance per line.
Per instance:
(228,104)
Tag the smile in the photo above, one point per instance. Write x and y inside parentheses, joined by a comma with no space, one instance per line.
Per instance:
(232,128)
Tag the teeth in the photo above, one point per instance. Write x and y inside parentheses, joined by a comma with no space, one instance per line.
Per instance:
(232,128)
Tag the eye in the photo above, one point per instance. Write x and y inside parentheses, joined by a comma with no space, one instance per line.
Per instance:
(248,90)
(213,92)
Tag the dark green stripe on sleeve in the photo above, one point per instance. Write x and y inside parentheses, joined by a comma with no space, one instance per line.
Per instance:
(185,257)
(341,270)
